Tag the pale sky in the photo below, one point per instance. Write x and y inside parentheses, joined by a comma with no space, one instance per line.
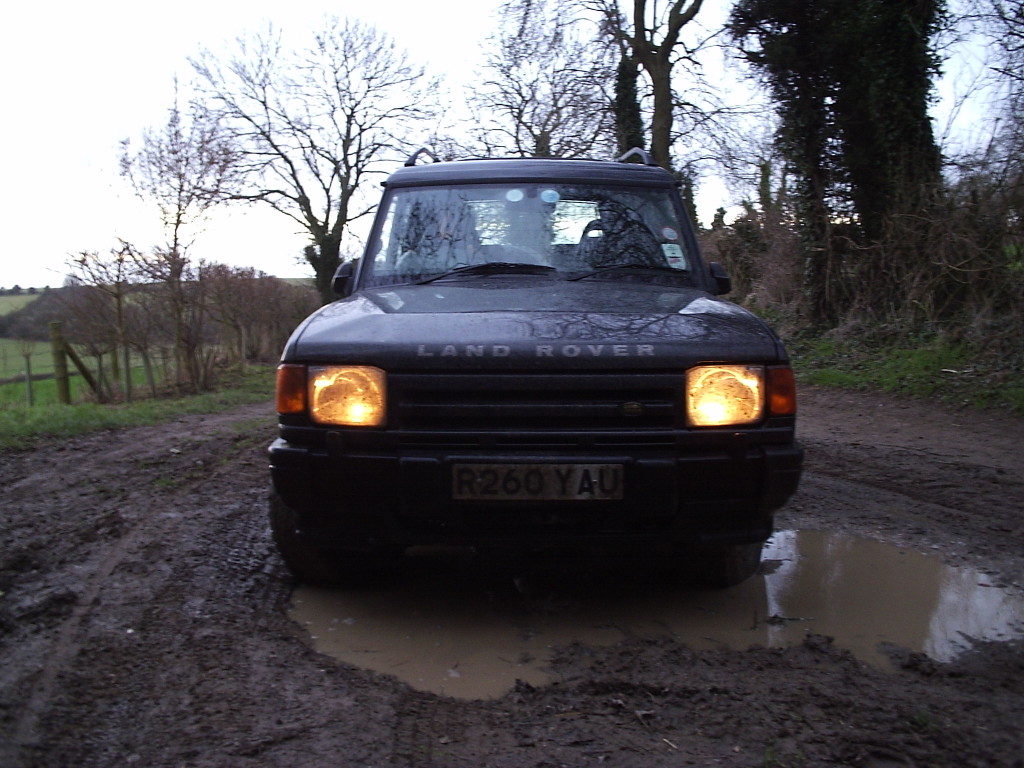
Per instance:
(77,77)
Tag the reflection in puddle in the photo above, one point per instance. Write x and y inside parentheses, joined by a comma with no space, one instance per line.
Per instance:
(459,632)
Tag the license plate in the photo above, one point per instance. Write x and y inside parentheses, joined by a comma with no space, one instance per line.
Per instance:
(537,482)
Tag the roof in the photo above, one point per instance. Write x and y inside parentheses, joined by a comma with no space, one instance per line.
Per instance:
(525,170)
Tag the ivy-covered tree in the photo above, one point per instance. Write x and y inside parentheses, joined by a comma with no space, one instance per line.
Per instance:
(851,81)
(629,122)
(885,65)
(790,54)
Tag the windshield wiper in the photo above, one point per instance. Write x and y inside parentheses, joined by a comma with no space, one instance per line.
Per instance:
(491,268)
(633,265)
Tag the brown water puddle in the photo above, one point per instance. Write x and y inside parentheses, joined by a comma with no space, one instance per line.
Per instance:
(457,631)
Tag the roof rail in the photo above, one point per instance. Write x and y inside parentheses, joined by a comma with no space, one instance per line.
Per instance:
(637,152)
(416,156)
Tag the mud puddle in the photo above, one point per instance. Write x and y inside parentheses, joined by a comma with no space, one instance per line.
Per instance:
(450,628)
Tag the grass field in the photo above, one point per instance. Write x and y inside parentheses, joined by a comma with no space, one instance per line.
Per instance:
(945,373)
(20,425)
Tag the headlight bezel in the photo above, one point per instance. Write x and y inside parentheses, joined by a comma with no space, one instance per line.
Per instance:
(359,397)
(725,395)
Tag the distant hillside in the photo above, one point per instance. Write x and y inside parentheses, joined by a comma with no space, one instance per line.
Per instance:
(9,303)
(28,316)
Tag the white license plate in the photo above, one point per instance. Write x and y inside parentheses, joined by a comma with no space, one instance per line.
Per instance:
(537,482)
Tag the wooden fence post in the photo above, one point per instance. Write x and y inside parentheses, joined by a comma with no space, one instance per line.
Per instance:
(82,369)
(60,363)
(28,380)
(67,350)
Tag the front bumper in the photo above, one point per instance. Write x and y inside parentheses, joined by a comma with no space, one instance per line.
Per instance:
(351,493)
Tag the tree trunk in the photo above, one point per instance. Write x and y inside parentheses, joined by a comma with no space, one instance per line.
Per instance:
(661,119)
(324,256)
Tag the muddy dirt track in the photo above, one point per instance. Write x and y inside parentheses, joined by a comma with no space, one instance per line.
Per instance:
(143,621)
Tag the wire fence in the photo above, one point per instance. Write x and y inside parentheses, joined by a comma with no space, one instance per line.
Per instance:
(12,359)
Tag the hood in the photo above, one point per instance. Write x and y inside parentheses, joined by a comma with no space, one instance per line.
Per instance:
(532,324)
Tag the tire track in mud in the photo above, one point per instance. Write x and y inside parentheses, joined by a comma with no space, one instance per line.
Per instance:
(216,567)
(421,731)
(159,475)
(66,645)
(431,731)
(187,656)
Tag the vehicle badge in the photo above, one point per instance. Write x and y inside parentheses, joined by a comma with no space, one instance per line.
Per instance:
(632,408)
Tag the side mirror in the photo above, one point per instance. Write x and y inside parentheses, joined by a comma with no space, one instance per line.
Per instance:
(344,279)
(723,284)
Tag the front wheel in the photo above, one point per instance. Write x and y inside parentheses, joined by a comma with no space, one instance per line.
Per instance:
(315,565)
(725,566)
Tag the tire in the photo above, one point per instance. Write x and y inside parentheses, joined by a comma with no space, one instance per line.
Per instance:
(315,565)
(725,566)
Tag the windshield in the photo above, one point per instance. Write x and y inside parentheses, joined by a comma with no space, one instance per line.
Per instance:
(572,230)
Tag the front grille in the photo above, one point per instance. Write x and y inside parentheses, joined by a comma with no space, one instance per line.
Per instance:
(535,403)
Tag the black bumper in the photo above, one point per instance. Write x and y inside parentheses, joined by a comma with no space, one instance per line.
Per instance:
(364,497)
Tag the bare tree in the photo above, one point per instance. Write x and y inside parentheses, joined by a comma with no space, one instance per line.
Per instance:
(545,92)
(1005,23)
(256,310)
(651,36)
(176,292)
(313,123)
(93,328)
(111,276)
(187,167)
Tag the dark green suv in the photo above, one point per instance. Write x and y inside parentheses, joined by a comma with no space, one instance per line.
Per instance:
(532,356)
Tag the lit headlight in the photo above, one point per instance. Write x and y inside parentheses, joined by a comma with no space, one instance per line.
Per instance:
(724,395)
(347,395)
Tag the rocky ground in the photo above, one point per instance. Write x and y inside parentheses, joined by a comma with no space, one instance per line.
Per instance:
(143,620)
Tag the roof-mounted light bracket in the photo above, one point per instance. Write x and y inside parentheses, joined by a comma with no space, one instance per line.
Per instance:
(643,154)
(416,156)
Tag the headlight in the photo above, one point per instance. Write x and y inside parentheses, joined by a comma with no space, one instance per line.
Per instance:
(347,395)
(724,395)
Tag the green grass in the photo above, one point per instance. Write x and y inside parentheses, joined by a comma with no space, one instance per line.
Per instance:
(952,374)
(44,391)
(949,374)
(12,357)
(20,425)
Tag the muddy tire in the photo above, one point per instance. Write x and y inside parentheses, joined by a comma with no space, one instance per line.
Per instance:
(315,565)
(726,566)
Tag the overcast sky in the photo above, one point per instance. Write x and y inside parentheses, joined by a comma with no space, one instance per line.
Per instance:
(77,77)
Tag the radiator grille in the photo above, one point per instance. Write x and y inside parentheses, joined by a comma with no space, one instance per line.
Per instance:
(535,403)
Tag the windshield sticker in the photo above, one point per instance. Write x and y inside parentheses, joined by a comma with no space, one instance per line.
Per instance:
(514,195)
(550,196)
(669,233)
(674,256)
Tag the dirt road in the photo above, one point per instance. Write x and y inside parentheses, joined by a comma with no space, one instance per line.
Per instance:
(143,621)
